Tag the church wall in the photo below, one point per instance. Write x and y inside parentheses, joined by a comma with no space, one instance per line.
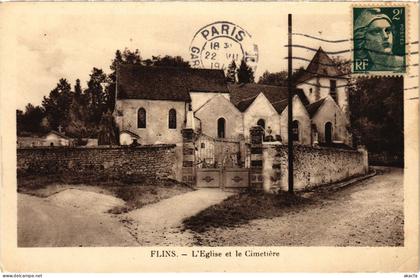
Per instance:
(157,111)
(199,98)
(299,114)
(343,98)
(317,92)
(308,90)
(324,90)
(219,107)
(330,112)
(261,108)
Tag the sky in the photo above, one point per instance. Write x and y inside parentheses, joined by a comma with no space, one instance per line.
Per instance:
(44,42)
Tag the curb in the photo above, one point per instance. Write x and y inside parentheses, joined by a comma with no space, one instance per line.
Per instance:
(357,179)
(339,185)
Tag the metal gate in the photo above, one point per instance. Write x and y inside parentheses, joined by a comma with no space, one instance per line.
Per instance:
(221,162)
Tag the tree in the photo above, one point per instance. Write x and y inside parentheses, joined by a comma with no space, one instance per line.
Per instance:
(107,130)
(275,78)
(376,107)
(280,78)
(19,122)
(231,72)
(131,57)
(78,90)
(78,114)
(30,121)
(112,77)
(167,61)
(344,65)
(297,74)
(57,104)
(121,58)
(96,96)
(245,73)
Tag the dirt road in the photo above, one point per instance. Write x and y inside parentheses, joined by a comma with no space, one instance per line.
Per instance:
(76,217)
(368,213)
(70,218)
(161,223)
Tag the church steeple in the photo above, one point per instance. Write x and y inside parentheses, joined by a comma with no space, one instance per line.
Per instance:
(321,65)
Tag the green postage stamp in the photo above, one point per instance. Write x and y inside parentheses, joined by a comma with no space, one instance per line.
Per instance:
(379,39)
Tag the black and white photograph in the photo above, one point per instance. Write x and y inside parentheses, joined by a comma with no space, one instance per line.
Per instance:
(160,125)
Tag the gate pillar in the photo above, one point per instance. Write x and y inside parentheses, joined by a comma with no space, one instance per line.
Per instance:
(256,167)
(188,156)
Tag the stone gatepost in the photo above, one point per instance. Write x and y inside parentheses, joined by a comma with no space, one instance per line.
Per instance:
(362,149)
(188,156)
(256,167)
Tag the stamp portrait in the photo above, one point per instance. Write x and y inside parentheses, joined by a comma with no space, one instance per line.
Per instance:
(379,39)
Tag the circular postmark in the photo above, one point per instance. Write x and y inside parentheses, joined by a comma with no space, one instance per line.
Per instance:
(216,45)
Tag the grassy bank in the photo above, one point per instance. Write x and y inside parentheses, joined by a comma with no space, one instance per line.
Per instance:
(136,193)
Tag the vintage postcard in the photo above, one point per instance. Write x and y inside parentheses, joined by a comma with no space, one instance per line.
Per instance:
(198,136)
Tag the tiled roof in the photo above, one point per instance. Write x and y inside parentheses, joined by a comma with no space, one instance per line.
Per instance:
(166,83)
(242,95)
(313,107)
(321,65)
(244,104)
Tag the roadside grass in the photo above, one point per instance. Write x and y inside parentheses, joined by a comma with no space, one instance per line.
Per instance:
(51,189)
(137,196)
(135,191)
(243,207)
(249,205)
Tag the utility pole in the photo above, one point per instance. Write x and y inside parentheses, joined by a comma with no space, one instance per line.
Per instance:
(289,105)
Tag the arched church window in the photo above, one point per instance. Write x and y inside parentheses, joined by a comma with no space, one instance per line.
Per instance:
(261,123)
(295,130)
(172,119)
(328,133)
(221,128)
(141,118)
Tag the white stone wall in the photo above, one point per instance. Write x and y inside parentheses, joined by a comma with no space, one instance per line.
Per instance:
(312,166)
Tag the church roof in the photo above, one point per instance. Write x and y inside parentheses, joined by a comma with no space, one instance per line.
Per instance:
(321,65)
(167,83)
(244,104)
(314,107)
(242,95)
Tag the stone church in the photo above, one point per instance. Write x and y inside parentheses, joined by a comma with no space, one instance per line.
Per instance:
(154,104)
